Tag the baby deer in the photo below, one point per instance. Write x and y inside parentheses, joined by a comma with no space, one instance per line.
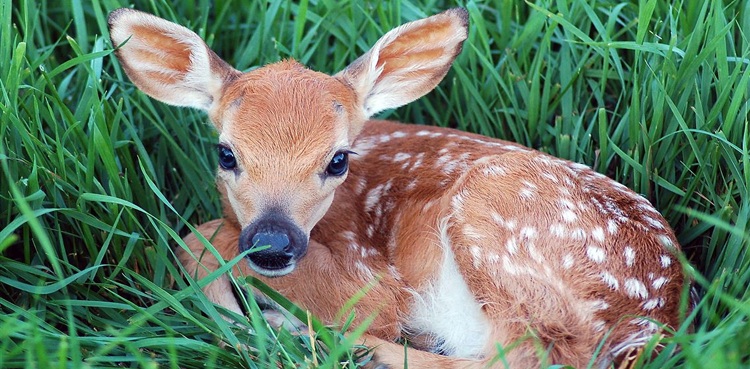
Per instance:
(464,242)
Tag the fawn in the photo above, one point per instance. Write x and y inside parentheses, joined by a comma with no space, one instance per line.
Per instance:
(466,242)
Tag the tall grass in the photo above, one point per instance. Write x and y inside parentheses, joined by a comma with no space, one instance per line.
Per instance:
(99,182)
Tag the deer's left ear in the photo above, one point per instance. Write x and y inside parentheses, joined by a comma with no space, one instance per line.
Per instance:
(407,62)
(167,61)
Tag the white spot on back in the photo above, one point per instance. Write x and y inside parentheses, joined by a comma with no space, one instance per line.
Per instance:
(563,189)
(596,254)
(411,186)
(364,270)
(610,280)
(599,325)
(526,194)
(442,160)
(569,216)
(508,266)
(402,156)
(567,261)
(647,324)
(349,236)
(510,224)
(551,177)
(511,245)
(653,303)
(653,222)
(363,145)
(417,162)
(498,218)
(659,282)
(471,232)
(611,226)
(635,288)
(566,204)
(598,234)
(646,206)
(493,257)
(374,195)
(557,230)
(666,261)
(533,252)
(528,232)
(666,241)
(629,256)
(578,234)
(476,256)
(598,305)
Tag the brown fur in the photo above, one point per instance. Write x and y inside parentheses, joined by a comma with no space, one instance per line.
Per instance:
(552,254)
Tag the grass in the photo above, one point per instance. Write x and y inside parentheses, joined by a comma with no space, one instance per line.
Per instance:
(99,182)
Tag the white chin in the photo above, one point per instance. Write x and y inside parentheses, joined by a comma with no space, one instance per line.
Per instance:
(272,272)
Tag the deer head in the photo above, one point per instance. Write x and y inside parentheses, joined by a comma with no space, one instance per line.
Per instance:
(285,132)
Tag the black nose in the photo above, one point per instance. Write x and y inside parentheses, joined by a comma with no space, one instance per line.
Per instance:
(275,244)
(276,241)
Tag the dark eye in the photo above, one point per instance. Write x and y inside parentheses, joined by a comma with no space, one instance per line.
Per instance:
(339,164)
(226,158)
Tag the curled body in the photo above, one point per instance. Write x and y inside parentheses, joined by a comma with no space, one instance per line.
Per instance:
(464,242)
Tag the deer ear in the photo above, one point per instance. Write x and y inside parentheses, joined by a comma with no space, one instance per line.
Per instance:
(407,62)
(167,61)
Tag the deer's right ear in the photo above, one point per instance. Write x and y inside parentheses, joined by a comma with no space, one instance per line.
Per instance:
(167,61)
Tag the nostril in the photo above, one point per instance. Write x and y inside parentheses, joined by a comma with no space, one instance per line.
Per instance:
(276,240)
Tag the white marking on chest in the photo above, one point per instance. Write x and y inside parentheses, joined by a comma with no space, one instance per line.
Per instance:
(447,310)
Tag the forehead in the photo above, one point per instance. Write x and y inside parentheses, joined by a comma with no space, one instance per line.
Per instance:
(285,109)
(287,96)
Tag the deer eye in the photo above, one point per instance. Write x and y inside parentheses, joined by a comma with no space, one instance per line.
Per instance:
(227,160)
(339,164)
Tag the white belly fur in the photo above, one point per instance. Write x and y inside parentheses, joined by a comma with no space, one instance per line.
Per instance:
(447,310)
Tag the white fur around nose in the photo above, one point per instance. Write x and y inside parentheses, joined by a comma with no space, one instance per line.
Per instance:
(447,310)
